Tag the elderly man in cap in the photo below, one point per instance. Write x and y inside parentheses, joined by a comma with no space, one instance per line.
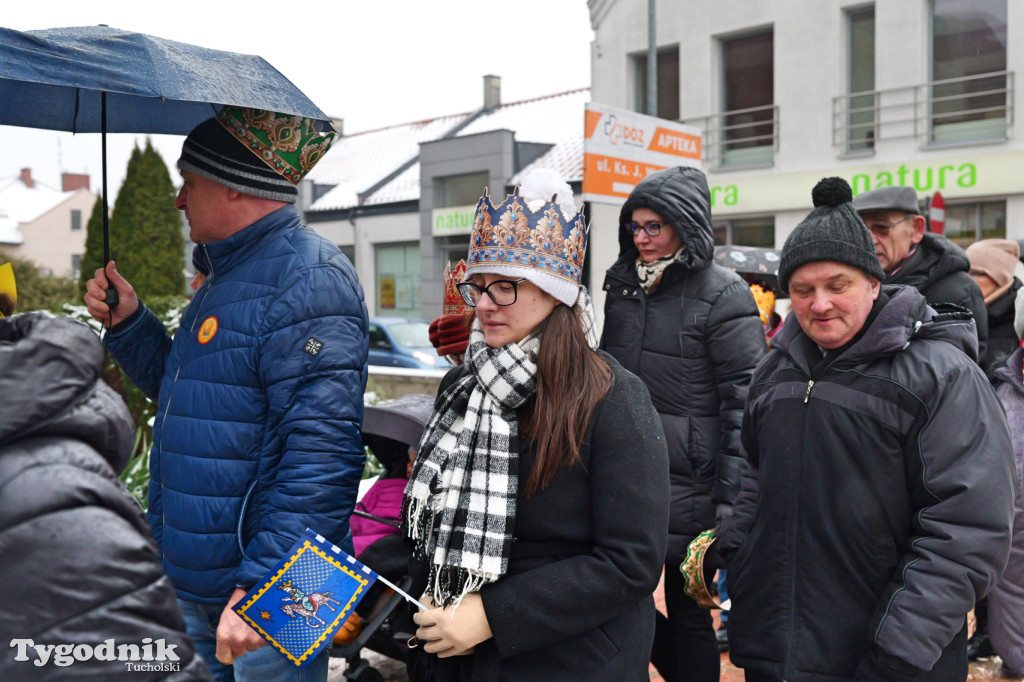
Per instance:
(260,392)
(878,501)
(909,255)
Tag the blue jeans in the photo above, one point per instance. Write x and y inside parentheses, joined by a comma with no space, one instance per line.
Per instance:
(263,665)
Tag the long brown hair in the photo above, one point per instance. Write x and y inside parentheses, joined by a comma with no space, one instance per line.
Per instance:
(571,380)
(6,305)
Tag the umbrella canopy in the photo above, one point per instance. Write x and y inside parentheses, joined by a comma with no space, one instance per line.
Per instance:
(391,428)
(103,79)
(54,78)
(757,265)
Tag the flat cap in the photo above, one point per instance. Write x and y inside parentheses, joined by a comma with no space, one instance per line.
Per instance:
(902,199)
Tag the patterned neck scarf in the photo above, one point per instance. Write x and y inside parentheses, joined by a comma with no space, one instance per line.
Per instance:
(650,274)
(459,507)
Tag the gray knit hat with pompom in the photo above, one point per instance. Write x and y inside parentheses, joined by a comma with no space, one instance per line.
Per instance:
(831,232)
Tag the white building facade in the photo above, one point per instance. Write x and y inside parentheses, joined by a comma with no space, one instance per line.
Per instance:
(891,92)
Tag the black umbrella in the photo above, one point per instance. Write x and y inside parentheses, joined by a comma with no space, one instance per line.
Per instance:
(102,79)
(756,264)
(391,428)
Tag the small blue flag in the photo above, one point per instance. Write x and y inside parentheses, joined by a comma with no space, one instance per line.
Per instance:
(307,596)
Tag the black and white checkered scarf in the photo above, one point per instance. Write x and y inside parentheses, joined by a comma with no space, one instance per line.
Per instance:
(459,508)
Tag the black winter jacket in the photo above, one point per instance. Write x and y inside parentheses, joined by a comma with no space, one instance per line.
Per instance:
(576,602)
(939,270)
(1002,338)
(694,341)
(79,565)
(878,503)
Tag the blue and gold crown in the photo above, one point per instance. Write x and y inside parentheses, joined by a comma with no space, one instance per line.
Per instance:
(511,234)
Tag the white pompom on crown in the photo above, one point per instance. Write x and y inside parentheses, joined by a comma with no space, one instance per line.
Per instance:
(540,185)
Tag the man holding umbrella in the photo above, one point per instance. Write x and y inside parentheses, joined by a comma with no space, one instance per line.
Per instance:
(257,436)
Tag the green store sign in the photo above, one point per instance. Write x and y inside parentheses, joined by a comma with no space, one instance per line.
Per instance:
(453,220)
(989,174)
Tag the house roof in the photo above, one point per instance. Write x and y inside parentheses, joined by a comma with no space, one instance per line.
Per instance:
(360,162)
(20,204)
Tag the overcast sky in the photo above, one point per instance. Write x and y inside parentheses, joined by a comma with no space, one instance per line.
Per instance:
(372,64)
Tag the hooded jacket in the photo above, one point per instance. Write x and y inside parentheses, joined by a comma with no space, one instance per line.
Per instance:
(260,393)
(939,270)
(878,503)
(79,565)
(1006,603)
(694,341)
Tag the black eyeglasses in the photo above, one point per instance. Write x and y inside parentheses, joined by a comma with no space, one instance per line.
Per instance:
(652,229)
(882,229)
(501,291)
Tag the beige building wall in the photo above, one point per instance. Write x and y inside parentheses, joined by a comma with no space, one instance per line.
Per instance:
(49,240)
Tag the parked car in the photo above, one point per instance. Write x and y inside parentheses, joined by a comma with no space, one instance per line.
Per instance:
(403,342)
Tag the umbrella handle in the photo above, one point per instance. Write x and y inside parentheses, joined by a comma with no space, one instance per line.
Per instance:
(111,298)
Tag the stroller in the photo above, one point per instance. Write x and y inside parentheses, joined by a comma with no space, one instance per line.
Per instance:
(389,430)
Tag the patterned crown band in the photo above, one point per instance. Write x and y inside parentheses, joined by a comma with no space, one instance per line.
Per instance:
(453,302)
(291,145)
(512,234)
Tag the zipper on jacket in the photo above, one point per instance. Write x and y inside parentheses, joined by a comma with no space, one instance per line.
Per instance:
(810,385)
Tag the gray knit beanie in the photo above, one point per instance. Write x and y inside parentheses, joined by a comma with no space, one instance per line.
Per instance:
(831,232)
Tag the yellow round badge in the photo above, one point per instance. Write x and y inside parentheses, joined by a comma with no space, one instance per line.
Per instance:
(208,329)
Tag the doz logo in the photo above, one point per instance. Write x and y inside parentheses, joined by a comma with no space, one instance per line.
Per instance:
(628,135)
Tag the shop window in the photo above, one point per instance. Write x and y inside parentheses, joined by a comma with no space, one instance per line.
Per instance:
(970,222)
(745,232)
(398,279)
(668,83)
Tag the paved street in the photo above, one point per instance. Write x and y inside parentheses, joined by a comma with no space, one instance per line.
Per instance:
(393,671)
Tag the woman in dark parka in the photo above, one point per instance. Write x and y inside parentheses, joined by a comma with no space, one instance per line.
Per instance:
(539,499)
(691,331)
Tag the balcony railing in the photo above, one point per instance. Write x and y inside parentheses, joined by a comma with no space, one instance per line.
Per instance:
(740,138)
(963,110)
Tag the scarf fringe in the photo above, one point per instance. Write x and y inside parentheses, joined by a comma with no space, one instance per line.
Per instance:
(447,585)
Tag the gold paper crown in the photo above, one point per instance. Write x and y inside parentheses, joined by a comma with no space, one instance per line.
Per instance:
(453,302)
(514,235)
(765,300)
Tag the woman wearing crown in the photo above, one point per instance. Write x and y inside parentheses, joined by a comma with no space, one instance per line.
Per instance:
(538,504)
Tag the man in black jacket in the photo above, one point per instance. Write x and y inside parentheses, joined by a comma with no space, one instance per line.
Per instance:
(691,331)
(878,501)
(909,255)
(80,581)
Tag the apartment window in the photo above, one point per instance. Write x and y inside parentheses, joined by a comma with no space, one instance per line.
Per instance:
(748,126)
(861,24)
(969,90)
(76,265)
(970,222)
(745,232)
(461,190)
(668,83)
(76,220)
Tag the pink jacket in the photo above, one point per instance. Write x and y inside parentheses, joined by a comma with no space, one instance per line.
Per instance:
(383,499)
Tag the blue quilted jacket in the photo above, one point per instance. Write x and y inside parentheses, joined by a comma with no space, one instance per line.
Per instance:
(260,399)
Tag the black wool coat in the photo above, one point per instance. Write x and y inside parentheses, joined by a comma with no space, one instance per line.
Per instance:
(79,564)
(940,269)
(576,602)
(694,341)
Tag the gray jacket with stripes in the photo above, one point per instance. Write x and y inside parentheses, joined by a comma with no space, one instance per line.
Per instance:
(878,503)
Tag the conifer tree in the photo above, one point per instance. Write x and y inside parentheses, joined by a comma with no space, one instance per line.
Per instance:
(145,228)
